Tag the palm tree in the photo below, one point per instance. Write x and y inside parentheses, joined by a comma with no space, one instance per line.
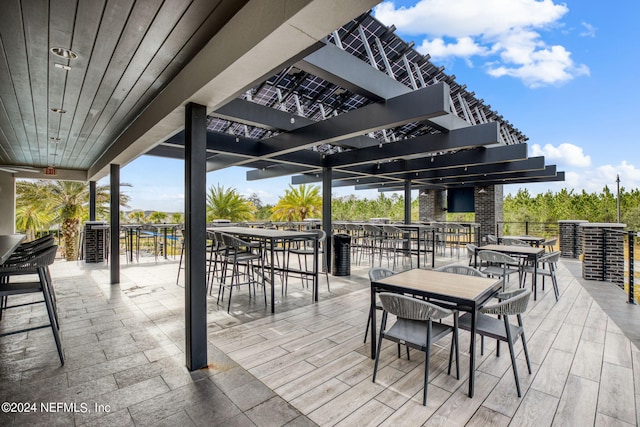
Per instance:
(67,203)
(31,209)
(156,217)
(137,217)
(298,204)
(223,203)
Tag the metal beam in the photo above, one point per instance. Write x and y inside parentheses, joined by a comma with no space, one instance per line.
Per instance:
(345,70)
(92,200)
(416,106)
(407,202)
(326,215)
(469,137)
(476,156)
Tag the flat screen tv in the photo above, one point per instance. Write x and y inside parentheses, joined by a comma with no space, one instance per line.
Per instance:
(460,200)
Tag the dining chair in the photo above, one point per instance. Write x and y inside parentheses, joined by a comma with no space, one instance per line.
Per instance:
(414,327)
(513,303)
(514,242)
(375,274)
(549,260)
(550,244)
(498,265)
(33,263)
(395,240)
(471,252)
(461,269)
(240,253)
(372,241)
(306,250)
(491,239)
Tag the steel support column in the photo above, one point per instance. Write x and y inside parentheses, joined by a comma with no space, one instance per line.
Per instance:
(114,212)
(407,201)
(195,236)
(326,212)
(92,200)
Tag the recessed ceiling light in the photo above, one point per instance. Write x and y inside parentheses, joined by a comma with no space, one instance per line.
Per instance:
(64,67)
(54,154)
(54,139)
(64,53)
(58,110)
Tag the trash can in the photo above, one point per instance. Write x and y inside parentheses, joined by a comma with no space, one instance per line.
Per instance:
(341,255)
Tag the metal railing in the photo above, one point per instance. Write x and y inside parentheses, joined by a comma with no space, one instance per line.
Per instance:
(630,240)
(527,228)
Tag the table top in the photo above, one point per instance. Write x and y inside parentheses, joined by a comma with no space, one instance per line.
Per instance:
(264,233)
(512,249)
(8,245)
(441,284)
(525,238)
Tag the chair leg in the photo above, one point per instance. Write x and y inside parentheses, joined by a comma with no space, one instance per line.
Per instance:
(513,355)
(52,319)
(382,326)
(366,331)
(427,360)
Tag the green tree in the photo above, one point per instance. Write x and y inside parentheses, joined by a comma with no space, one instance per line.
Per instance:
(67,203)
(177,218)
(157,217)
(298,203)
(227,203)
(137,217)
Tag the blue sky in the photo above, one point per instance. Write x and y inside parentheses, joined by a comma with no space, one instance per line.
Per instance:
(563,73)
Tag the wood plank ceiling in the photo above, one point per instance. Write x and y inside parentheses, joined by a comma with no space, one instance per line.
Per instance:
(127,52)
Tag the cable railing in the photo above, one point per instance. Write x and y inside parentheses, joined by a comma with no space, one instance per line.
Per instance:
(527,228)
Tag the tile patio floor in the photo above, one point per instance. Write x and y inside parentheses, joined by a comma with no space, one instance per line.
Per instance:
(305,365)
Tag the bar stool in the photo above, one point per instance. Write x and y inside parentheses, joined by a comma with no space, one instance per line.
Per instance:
(306,249)
(35,263)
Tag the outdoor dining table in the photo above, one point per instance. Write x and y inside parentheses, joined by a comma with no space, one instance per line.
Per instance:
(421,231)
(8,245)
(273,237)
(530,253)
(532,240)
(466,293)
(129,230)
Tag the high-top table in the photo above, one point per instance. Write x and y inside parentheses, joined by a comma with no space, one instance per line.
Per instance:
(532,240)
(530,253)
(272,237)
(465,293)
(8,245)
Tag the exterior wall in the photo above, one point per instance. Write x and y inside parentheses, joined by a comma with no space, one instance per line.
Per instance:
(595,245)
(489,207)
(7,203)
(431,205)
(570,238)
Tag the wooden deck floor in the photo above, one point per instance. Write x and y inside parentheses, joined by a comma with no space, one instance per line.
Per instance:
(305,365)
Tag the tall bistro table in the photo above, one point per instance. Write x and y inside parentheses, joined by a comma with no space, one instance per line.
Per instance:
(465,293)
(165,228)
(532,240)
(8,245)
(530,253)
(273,237)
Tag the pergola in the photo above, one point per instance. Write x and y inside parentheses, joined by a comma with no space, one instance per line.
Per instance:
(269,85)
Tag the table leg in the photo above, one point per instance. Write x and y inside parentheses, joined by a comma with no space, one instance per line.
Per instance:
(316,255)
(472,351)
(272,276)
(131,245)
(373,310)
(164,248)
(534,280)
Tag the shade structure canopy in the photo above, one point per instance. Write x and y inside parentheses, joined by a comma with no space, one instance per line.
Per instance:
(367,105)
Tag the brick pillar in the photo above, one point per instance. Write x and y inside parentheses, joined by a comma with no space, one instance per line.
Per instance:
(94,241)
(570,238)
(432,205)
(489,207)
(603,252)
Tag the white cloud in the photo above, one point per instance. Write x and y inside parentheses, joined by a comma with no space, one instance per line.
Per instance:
(589,30)
(507,30)
(564,154)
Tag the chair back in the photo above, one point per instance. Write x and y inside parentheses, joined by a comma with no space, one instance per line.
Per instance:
(461,269)
(550,244)
(30,262)
(492,239)
(515,303)
(496,257)
(405,307)
(551,257)
(514,242)
(372,230)
(378,273)
(471,249)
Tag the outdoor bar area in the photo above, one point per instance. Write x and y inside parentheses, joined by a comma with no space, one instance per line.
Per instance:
(366,321)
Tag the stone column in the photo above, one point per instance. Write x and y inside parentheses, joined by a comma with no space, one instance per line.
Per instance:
(489,208)
(603,252)
(7,203)
(570,237)
(432,204)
